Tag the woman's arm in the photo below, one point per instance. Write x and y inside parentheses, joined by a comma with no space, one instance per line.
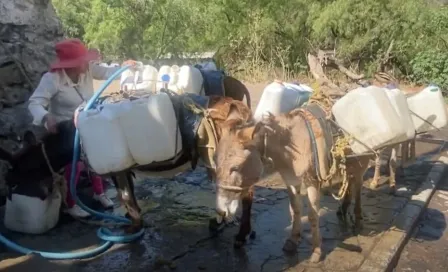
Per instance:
(40,99)
(101,72)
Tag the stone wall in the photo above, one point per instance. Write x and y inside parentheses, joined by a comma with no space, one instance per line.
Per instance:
(28,32)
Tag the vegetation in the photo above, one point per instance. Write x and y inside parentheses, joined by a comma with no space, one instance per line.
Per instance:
(406,37)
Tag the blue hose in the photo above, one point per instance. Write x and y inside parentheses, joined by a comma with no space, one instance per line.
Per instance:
(103,233)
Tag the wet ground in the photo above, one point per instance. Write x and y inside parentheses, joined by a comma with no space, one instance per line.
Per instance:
(178,210)
(427,250)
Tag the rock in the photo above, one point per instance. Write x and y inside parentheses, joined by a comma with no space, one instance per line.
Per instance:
(28,31)
(14,120)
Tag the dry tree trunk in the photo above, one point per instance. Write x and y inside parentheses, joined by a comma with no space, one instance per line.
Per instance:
(318,74)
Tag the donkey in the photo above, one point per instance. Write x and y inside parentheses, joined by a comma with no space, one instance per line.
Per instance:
(288,141)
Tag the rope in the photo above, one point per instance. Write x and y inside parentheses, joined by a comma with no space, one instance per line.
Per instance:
(59,182)
(340,147)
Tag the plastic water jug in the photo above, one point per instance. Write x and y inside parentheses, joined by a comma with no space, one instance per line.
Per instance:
(32,215)
(190,80)
(150,127)
(368,115)
(174,78)
(127,79)
(281,97)
(164,70)
(398,100)
(144,77)
(149,79)
(103,139)
(428,109)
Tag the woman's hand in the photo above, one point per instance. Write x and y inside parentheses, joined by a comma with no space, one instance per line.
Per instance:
(131,63)
(50,123)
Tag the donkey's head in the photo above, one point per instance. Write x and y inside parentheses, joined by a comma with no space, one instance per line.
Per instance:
(238,161)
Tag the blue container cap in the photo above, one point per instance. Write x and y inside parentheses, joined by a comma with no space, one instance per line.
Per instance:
(166,78)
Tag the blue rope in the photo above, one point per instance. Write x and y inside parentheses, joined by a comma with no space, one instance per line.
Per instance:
(103,233)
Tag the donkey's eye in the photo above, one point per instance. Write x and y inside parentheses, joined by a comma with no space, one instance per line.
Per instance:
(234,169)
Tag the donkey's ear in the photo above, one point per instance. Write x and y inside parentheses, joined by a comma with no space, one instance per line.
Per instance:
(234,113)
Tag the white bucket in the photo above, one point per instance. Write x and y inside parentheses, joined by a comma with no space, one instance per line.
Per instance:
(32,215)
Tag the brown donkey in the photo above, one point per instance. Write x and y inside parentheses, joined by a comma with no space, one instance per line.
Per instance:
(288,141)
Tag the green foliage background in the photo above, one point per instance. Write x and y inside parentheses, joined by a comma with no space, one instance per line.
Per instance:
(270,34)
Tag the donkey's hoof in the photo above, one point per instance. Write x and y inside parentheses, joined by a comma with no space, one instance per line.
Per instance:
(373,185)
(213,225)
(358,224)
(290,246)
(239,243)
(252,235)
(133,229)
(315,257)
(392,190)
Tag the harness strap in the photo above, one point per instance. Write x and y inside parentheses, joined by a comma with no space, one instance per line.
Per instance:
(208,124)
(59,181)
(313,144)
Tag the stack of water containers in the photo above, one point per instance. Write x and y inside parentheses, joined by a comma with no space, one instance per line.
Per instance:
(144,77)
(119,135)
(281,97)
(377,117)
(186,79)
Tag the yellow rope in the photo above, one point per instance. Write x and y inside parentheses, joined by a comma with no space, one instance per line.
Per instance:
(339,165)
(322,99)
(340,147)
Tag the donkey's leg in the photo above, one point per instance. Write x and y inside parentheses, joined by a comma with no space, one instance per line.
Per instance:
(357,186)
(293,187)
(125,187)
(376,176)
(392,169)
(294,209)
(343,208)
(130,177)
(404,153)
(245,226)
(313,217)
(211,174)
(357,181)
